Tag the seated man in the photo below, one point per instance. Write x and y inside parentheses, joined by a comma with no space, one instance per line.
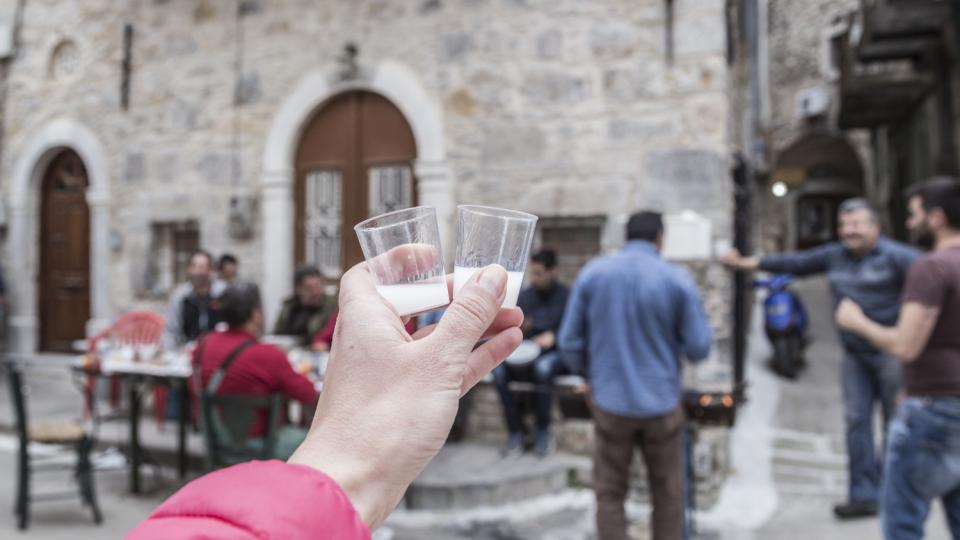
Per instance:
(306,312)
(542,304)
(257,368)
(193,309)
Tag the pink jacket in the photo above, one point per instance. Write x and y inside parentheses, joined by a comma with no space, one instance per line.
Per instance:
(260,499)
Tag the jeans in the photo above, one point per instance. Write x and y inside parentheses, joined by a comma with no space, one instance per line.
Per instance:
(866,379)
(923,463)
(545,368)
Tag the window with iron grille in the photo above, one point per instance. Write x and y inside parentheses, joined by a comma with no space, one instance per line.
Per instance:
(324,214)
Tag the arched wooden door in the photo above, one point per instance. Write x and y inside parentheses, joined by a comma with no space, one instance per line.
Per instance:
(354,160)
(64,279)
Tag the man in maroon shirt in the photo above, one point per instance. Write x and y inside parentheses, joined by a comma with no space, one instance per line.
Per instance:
(258,368)
(923,447)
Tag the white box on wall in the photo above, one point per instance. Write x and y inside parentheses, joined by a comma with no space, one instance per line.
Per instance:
(687,236)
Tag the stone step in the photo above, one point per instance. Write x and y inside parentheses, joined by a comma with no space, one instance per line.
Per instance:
(465,476)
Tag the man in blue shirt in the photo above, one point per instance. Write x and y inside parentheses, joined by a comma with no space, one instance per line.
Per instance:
(630,318)
(870,270)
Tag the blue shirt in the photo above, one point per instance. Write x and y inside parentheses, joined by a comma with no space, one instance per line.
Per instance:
(630,317)
(543,310)
(874,280)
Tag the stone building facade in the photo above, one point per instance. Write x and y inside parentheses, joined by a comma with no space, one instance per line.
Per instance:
(187,118)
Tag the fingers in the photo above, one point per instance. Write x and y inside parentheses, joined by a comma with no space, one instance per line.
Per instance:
(506,318)
(488,356)
(473,311)
(406,262)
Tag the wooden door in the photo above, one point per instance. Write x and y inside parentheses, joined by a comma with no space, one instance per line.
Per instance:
(64,280)
(355,160)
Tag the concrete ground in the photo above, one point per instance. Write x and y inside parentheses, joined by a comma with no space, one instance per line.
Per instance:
(787,452)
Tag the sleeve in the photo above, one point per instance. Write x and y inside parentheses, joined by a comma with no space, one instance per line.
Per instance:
(174,322)
(260,499)
(325,335)
(801,263)
(926,283)
(695,336)
(291,383)
(572,337)
(903,258)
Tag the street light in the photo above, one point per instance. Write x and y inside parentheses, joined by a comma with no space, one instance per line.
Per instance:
(779,189)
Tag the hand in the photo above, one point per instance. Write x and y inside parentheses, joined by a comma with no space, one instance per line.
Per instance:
(320,346)
(389,398)
(731,259)
(546,340)
(849,315)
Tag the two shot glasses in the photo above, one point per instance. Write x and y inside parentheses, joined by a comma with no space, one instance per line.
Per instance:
(405,256)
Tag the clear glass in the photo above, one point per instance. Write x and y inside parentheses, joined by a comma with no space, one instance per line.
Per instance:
(403,252)
(486,236)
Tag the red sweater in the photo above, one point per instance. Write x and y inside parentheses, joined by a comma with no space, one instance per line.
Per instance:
(260,369)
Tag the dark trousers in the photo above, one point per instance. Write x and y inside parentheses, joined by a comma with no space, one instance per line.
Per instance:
(545,368)
(660,440)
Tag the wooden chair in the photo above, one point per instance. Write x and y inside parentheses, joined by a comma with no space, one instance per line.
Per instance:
(64,433)
(137,328)
(226,422)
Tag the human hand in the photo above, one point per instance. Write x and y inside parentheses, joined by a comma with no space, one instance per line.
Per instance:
(389,398)
(546,340)
(849,315)
(731,259)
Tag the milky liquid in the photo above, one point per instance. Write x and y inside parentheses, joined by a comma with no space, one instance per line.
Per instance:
(462,275)
(413,298)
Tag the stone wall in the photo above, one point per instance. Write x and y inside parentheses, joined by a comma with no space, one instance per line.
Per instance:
(558,107)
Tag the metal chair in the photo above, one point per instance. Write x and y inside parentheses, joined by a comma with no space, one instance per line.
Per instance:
(63,433)
(226,422)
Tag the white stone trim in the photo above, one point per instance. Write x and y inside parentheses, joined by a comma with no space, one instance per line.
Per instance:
(23,254)
(395,82)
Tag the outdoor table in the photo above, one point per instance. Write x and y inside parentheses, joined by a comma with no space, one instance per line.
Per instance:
(175,373)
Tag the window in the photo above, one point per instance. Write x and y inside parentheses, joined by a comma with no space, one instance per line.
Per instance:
(324,213)
(575,239)
(391,188)
(172,243)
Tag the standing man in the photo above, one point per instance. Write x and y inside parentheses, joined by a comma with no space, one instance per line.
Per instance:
(193,308)
(543,303)
(630,317)
(923,452)
(306,312)
(870,269)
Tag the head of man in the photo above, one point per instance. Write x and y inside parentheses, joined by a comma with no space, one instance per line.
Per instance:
(859,225)
(646,225)
(308,286)
(200,270)
(934,209)
(227,267)
(240,308)
(543,269)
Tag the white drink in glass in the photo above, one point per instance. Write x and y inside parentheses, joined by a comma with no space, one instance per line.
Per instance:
(461,275)
(413,298)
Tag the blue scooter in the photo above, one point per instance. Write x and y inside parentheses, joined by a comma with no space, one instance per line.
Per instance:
(786,323)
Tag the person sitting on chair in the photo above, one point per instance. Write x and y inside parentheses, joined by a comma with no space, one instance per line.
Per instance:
(306,312)
(256,369)
(542,303)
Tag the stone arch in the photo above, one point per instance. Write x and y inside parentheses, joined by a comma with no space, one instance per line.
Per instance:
(395,82)
(23,203)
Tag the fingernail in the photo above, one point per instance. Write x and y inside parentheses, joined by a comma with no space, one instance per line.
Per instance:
(494,279)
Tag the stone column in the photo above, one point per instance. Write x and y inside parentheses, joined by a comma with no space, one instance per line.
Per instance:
(434,188)
(277,230)
(101,312)
(21,271)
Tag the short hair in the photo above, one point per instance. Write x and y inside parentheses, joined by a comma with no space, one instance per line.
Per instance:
(201,253)
(546,257)
(858,203)
(304,272)
(941,192)
(225,259)
(238,302)
(646,225)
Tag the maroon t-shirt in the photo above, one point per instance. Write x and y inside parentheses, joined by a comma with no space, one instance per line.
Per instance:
(934,281)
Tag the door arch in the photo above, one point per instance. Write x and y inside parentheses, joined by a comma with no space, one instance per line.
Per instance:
(354,159)
(63,287)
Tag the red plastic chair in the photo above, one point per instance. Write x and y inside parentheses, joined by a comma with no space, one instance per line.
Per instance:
(131,329)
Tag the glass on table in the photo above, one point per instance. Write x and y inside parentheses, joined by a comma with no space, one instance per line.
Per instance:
(487,235)
(403,254)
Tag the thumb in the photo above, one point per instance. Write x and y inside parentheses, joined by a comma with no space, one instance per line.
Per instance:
(473,310)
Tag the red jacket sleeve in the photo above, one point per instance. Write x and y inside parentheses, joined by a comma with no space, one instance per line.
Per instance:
(256,500)
(325,335)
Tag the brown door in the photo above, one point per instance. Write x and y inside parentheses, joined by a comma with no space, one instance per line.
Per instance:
(354,160)
(64,281)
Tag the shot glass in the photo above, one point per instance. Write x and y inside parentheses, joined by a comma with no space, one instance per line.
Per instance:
(486,236)
(403,252)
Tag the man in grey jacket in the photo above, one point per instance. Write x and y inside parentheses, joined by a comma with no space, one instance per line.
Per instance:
(871,270)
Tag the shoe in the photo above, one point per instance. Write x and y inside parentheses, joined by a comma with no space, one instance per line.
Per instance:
(514,445)
(544,443)
(855,509)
